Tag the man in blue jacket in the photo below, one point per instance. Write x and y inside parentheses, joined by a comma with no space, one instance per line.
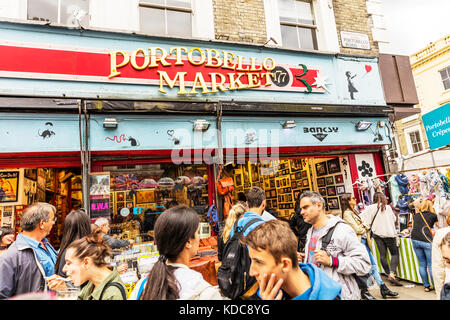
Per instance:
(31,258)
(256,202)
(273,251)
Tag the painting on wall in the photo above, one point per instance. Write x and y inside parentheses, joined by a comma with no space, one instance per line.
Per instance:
(9,186)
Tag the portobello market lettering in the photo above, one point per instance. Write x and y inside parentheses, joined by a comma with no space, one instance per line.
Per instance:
(197,64)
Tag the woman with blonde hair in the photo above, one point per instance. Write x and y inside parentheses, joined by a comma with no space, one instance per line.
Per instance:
(422,238)
(236,212)
(382,220)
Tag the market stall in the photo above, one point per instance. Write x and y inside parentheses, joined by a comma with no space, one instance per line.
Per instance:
(408,266)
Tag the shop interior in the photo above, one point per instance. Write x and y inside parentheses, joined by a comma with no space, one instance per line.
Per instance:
(20,188)
(284,180)
(139,193)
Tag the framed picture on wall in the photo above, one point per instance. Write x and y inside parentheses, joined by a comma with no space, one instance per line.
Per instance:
(272,183)
(296,165)
(305,182)
(9,185)
(333,203)
(323,192)
(296,194)
(339,178)
(294,184)
(329,180)
(331,191)
(321,182)
(340,189)
(304,174)
(238,180)
(298,175)
(321,169)
(333,166)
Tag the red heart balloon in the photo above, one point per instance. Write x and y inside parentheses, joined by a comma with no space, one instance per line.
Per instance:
(368,68)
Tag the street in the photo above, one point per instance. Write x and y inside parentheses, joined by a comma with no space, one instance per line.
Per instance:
(409,291)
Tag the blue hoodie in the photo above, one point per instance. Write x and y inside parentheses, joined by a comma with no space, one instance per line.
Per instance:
(322,286)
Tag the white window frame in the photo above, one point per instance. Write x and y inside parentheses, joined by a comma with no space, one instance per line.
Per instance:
(448,77)
(86,19)
(326,31)
(202,17)
(407,133)
(393,150)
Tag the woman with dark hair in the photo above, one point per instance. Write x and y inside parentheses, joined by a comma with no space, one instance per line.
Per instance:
(76,226)
(87,260)
(6,238)
(380,217)
(177,238)
(351,216)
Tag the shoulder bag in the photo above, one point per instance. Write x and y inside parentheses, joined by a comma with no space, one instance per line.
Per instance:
(431,230)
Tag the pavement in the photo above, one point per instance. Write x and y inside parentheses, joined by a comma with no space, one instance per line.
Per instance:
(409,291)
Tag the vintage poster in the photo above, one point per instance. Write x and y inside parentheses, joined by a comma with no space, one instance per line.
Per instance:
(7,216)
(9,186)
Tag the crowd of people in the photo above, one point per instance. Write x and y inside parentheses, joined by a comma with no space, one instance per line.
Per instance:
(316,256)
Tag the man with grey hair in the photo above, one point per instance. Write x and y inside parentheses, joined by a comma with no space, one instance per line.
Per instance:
(344,255)
(30,259)
(103,224)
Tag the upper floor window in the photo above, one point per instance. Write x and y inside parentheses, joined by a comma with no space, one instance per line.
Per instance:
(445,75)
(166,17)
(298,26)
(415,140)
(68,12)
(392,149)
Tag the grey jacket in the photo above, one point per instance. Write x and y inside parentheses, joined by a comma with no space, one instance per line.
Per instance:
(351,254)
(115,243)
(20,270)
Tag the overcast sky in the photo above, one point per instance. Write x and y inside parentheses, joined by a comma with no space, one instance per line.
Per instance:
(413,24)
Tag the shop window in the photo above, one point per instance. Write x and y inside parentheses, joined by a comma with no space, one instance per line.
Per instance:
(22,187)
(415,140)
(445,76)
(74,13)
(298,25)
(140,193)
(166,17)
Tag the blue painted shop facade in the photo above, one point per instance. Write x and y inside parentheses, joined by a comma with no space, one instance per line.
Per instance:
(104,102)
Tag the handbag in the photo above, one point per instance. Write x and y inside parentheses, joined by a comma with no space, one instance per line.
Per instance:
(370,230)
(224,185)
(431,231)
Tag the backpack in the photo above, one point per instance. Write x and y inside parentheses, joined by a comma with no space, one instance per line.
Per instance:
(233,275)
(360,280)
(212,217)
(118,286)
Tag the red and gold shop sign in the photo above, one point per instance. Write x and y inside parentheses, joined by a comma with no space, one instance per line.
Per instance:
(210,70)
(203,71)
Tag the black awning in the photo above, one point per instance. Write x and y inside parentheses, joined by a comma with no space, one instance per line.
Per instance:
(29,103)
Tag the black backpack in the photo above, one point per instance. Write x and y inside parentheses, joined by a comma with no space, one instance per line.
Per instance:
(360,280)
(233,275)
(118,286)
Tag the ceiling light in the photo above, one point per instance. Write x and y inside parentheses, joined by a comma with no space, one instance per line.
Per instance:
(289,124)
(363,125)
(201,125)
(110,123)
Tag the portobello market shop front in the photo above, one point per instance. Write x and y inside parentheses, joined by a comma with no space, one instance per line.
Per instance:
(146,122)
